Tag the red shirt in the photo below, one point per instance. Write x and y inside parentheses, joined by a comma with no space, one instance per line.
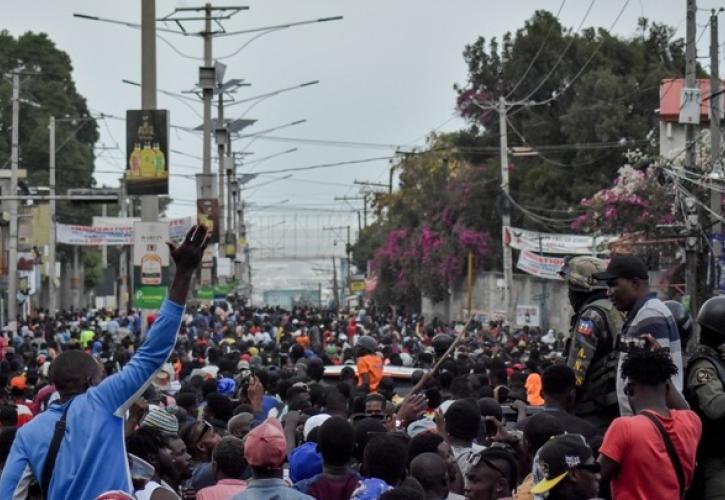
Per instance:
(645,469)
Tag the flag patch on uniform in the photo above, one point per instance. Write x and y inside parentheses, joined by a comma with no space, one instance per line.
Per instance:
(585,327)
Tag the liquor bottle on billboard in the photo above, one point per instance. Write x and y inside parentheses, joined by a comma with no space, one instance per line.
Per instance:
(136,161)
(148,161)
(159,161)
(151,268)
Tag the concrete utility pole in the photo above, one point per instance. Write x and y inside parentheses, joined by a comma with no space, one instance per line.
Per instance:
(220,154)
(52,289)
(149,204)
(508,272)
(206,181)
(13,253)
(715,143)
(692,241)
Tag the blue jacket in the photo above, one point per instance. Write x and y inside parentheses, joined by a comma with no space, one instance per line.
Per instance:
(92,456)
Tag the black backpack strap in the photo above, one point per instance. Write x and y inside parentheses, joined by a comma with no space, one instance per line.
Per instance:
(53,452)
(674,457)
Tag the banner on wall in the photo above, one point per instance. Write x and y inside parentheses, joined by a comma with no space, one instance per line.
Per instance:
(540,266)
(94,235)
(561,244)
(177,227)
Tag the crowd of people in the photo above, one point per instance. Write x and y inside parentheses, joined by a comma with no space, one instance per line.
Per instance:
(232,401)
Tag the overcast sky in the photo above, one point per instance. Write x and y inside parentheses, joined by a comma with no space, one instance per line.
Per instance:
(386,71)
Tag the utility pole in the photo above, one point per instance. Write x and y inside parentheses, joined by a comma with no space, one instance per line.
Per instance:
(220,153)
(715,146)
(335,291)
(508,273)
(206,181)
(13,253)
(149,204)
(692,241)
(52,289)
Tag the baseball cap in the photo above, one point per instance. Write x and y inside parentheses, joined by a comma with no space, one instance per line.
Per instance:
(304,462)
(265,445)
(623,266)
(18,382)
(557,457)
(313,422)
(421,426)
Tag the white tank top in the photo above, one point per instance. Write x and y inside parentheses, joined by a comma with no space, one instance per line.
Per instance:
(151,486)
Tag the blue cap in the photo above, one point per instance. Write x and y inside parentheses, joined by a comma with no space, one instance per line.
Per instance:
(304,462)
(226,386)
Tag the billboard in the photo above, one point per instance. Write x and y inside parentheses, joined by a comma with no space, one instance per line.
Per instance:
(207,213)
(147,151)
(528,316)
(150,251)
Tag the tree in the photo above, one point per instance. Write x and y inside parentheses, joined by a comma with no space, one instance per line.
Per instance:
(48,84)
(585,99)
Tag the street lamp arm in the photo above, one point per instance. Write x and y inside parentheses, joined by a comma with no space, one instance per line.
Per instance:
(245,44)
(279,26)
(273,93)
(127,24)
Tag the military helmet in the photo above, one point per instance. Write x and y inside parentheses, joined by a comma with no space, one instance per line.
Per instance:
(682,318)
(367,342)
(712,315)
(441,343)
(578,271)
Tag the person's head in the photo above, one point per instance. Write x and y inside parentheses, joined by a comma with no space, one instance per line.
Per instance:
(240,424)
(565,468)
(374,405)
(200,438)
(463,419)
(227,459)
(336,403)
(187,401)
(179,459)
(218,409)
(578,273)
(627,281)
(73,372)
(647,376)
(538,430)
(711,319)
(7,436)
(683,318)
(385,457)
(366,345)
(336,441)
(8,415)
(492,474)
(430,470)
(365,429)
(151,445)
(558,386)
(266,448)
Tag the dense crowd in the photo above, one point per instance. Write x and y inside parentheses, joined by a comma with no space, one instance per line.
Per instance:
(230,401)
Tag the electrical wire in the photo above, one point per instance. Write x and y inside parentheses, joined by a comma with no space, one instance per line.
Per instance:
(538,53)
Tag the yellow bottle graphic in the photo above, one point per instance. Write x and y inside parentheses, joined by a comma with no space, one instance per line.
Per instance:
(136,161)
(160,161)
(148,161)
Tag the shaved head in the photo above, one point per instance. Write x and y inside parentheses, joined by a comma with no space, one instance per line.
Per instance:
(431,472)
(73,372)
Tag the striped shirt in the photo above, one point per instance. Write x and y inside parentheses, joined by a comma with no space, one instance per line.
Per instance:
(650,315)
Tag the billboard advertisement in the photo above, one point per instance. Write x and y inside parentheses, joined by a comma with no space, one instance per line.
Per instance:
(207,213)
(150,251)
(147,151)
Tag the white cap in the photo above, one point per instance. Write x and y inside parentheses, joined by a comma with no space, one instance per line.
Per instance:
(313,422)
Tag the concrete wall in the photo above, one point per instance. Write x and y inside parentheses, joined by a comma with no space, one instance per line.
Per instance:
(488,298)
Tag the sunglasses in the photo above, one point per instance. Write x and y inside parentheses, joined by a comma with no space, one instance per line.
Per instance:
(207,427)
(475,458)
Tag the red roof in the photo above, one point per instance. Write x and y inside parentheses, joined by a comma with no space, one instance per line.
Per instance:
(670,91)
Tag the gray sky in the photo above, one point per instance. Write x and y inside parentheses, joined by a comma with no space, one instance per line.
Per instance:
(386,73)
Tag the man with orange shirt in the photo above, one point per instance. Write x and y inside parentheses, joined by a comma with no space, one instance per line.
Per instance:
(369,364)
(659,441)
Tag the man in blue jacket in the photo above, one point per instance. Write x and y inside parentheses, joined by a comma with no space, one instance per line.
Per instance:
(92,458)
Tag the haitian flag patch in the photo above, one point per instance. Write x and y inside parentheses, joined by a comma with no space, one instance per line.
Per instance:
(585,327)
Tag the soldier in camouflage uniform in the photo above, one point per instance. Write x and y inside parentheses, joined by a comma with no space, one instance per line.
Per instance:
(704,378)
(595,329)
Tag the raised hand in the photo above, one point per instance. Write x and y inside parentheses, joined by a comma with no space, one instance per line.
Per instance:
(187,256)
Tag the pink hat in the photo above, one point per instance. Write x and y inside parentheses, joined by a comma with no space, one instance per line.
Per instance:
(265,445)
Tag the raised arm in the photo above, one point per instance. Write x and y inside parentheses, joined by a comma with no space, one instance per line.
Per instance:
(117,392)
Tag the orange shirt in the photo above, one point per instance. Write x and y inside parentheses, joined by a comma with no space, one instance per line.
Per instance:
(533,390)
(373,366)
(304,341)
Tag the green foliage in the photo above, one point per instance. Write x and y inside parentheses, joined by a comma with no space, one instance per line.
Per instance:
(48,82)
(600,93)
